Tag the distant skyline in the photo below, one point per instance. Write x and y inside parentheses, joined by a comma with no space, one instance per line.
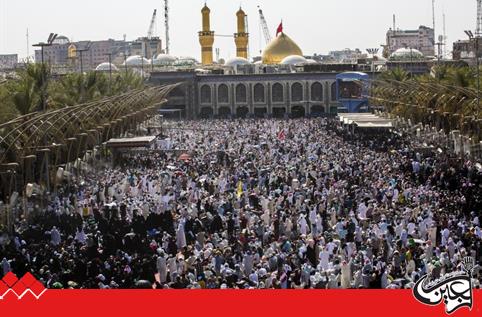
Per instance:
(317,26)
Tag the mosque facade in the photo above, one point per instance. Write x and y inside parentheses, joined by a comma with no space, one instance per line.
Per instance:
(260,95)
(275,86)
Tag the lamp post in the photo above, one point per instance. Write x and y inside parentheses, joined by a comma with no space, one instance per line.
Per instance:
(81,51)
(475,39)
(110,71)
(43,93)
(373,52)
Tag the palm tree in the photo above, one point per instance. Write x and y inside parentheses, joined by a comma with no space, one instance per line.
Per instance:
(397,74)
(24,96)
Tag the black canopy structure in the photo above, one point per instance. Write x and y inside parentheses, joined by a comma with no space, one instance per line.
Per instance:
(31,145)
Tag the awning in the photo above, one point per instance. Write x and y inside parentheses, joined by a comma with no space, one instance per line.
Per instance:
(144,141)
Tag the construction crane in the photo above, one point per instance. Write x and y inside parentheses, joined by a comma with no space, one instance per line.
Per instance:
(150,31)
(264,25)
(166,22)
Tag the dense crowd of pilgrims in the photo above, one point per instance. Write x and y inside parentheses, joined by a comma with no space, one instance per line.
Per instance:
(257,204)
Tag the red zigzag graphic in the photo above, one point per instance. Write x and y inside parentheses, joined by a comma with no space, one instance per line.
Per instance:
(20,287)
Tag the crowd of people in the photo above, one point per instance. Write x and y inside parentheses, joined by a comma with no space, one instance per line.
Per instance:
(257,204)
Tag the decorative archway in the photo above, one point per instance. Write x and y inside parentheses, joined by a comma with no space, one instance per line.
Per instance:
(298,111)
(206,94)
(297,92)
(224,112)
(277,92)
(259,93)
(242,112)
(334,97)
(223,93)
(206,112)
(317,92)
(241,95)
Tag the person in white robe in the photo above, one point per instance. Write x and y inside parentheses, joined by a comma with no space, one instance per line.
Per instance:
(345,275)
(181,236)
(5,266)
(161,265)
(55,236)
(80,236)
(303,225)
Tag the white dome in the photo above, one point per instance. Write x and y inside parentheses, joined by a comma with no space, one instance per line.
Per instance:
(105,67)
(164,59)
(235,61)
(406,54)
(258,63)
(136,60)
(61,40)
(311,61)
(294,60)
(186,61)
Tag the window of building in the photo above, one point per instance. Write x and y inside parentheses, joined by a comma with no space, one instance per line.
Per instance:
(259,93)
(205,94)
(317,92)
(278,93)
(241,93)
(223,94)
(297,92)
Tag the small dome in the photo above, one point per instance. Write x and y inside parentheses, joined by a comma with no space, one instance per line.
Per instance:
(164,59)
(186,61)
(406,54)
(105,67)
(136,60)
(294,60)
(235,61)
(279,48)
(311,61)
(61,40)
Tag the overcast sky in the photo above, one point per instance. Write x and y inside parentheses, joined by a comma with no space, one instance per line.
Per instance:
(318,26)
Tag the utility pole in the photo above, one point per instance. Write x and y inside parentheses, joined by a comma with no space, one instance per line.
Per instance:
(43,88)
(110,72)
(475,41)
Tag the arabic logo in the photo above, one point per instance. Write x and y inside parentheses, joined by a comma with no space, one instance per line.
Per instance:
(454,289)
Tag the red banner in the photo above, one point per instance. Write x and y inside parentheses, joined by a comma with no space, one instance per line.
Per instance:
(227,303)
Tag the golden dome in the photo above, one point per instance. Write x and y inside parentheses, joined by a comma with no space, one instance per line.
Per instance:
(240,12)
(279,48)
(205,9)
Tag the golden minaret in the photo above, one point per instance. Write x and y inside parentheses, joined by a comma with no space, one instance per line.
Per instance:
(206,38)
(241,38)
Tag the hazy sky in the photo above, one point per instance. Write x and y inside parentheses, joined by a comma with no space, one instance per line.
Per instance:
(316,25)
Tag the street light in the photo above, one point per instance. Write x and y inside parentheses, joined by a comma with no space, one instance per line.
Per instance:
(110,71)
(475,39)
(42,45)
(81,51)
(373,52)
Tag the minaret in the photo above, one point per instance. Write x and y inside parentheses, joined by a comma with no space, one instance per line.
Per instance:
(206,38)
(242,37)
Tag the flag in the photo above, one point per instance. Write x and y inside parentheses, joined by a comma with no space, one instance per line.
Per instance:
(240,189)
(280,29)
(282,135)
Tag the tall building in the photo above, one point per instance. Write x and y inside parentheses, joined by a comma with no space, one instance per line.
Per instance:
(146,47)
(464,50)
(98,51)
(8,61)
(206,37)
(422,39)
(242,37)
